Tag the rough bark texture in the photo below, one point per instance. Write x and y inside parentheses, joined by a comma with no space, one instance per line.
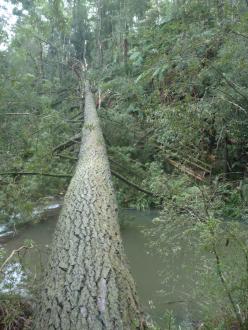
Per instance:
(88,284)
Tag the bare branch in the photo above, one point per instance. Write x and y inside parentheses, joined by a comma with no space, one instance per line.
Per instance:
(75,139)
(17,114)
(132,184)
(24,247)
(230,83)
(36,173)
(239,34)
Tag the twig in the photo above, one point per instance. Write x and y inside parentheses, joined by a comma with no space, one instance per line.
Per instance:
(235,104)
(24,247)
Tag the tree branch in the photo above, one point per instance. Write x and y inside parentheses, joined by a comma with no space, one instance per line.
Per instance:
(117,175)
(134,185)
(120,177)
(17,114)
(24,247)
(228,292)
(240,34)
(76,138)
(230,83)
(36,173)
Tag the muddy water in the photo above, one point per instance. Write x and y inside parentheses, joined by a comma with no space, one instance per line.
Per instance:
(145,266)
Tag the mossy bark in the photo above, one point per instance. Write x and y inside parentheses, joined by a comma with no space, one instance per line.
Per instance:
(88,284)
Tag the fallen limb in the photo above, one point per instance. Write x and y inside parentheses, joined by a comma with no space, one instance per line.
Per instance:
(230,83)
(17,114)
(239,34)
(197,175)
(116,154)
(37,173)
(75,139)
(24,247)
(235,104)
(119,176)
(134,185)
(125,168)
(68,157)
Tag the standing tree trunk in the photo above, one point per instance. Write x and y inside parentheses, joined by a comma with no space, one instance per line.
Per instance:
(220,9)
(99,33)
(88,284)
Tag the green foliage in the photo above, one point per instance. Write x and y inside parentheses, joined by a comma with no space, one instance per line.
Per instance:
(194,223)
(172,94)
(37,93)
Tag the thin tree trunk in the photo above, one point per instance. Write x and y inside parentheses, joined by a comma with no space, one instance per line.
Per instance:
(220,9)
(88,284)
(99,33)
(226,158)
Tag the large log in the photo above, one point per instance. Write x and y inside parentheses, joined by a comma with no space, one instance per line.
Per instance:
(88,284)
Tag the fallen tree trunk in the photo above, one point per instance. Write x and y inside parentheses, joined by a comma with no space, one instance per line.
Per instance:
(88,284)
(114,173)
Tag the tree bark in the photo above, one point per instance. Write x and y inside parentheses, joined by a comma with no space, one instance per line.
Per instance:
(88,284)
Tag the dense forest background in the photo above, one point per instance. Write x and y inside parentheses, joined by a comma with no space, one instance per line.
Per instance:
(171,88)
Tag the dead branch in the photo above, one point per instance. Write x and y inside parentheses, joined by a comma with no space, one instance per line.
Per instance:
(68,157)
(17,114)
(24,247)
(132,184)
(197,175)
(230,83)
(75,139)
(36,173)
(239,34)
(235,104)
(119,176)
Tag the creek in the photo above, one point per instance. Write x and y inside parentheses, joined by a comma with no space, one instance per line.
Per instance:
(156,295)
